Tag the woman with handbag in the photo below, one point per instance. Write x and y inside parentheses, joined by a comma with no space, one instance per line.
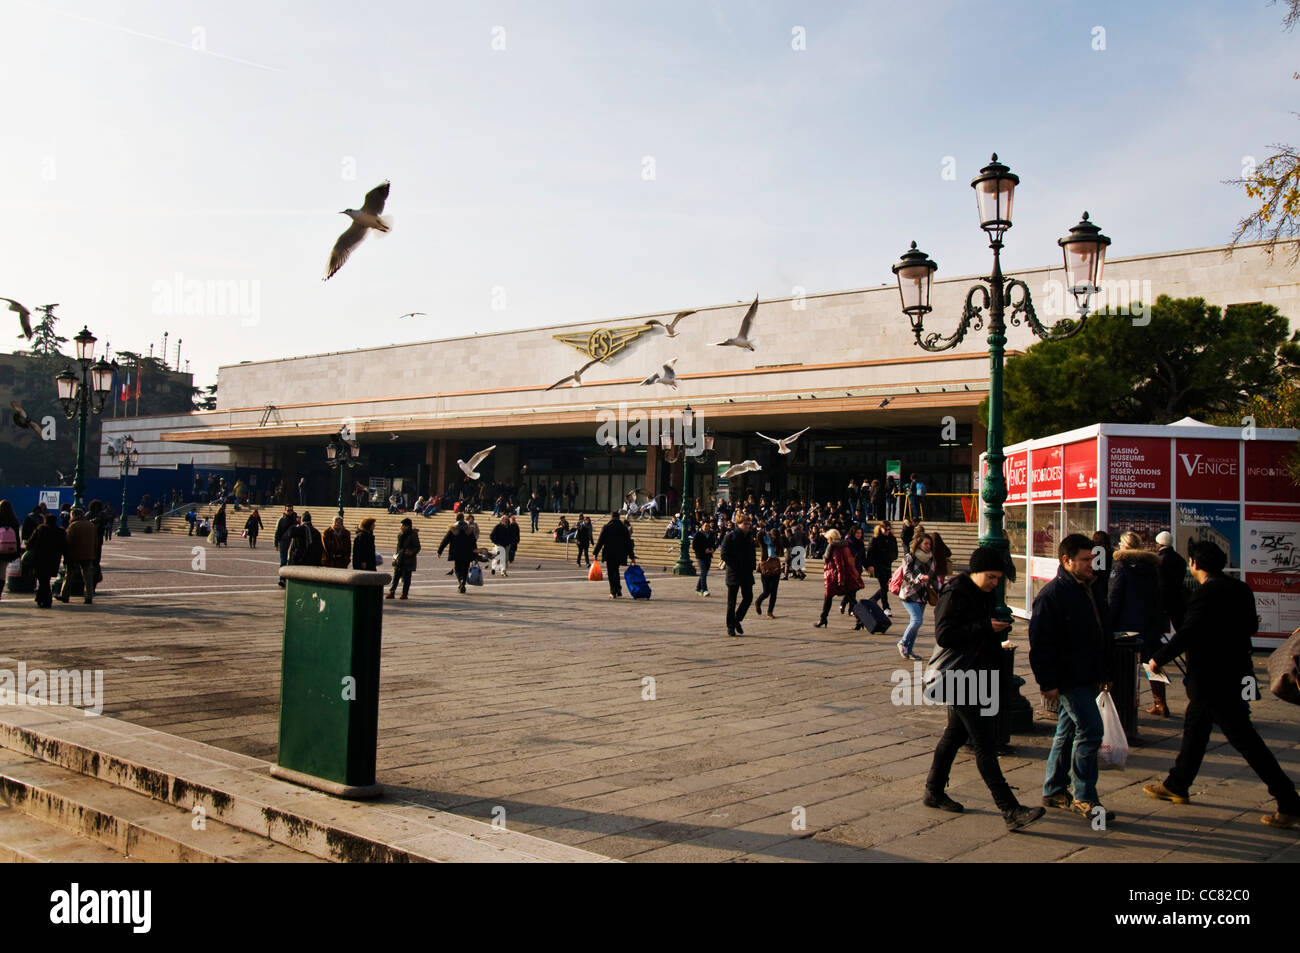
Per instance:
(769,570)
(858,550)
(839,573)
(10,535)
(881,553)
(917,590)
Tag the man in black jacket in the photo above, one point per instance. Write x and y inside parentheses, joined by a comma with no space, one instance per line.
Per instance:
(1070,650)
(460,541)
(616,543)
(738,556)
(582,536)
(501,537)
(703,543)
(284,535)
(1173,570)
(969,640)
(307,547)
(1215,634)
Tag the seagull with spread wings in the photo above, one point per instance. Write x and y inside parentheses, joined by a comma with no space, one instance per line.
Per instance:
(413,314)
(665,376)
(783,446)
(574,379)
(22,421)
(671,328)
(24,317)
(363,219)
(470,469)
(745,466)
(742,338)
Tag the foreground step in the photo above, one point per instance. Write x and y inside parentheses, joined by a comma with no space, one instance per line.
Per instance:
(26,840)
(238,791)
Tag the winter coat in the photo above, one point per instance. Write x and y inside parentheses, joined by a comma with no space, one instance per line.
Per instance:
(48,545)
(363,551)
(1069,645)
(839,571)
(253,525)
(918,579)
(1134,598)
(858,550)
(408,546)
(285,527)
(338,547)
(963,623)
(1173,591)
(615,542)
(306,547)
(500,535)
(701,543)
(81,536)
(882,551)
(1215,634)
(737,554)
(459,543)
(583,537)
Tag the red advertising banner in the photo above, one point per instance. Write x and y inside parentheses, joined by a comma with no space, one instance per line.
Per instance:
(1016,469)
(1138,467)
(1266,477)
(1045,479)
(1207,469)
(1081,470)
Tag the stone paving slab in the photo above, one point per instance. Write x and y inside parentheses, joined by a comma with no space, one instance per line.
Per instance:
(528,697)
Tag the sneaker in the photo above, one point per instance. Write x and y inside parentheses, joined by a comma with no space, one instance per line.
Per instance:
(1020,816)
(902,650)
(1087,809)
(1162,793)
(1288,821)
(706,593)
(941,802)
(1060,800)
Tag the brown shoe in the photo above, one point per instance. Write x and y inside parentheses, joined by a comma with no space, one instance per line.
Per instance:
(769,614)
(389,596)
(1289,821)
(402,596)
(1158,709)
(1162,793)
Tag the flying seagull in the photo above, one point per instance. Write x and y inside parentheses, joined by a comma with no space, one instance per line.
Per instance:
(362,220)
(471,469)
(743,467)
(393,436)
(413,314)
(884,402)
(666,376)
(783,446)
(671,329)
(574,379)
(742,338)
(24,317)
(22,421)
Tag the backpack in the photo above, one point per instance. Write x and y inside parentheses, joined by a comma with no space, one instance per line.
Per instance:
(896,580)
(8,540)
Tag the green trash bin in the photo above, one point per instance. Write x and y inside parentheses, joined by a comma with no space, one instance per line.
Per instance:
(329,681)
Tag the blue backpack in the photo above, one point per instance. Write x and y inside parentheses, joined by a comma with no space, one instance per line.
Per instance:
(636,582)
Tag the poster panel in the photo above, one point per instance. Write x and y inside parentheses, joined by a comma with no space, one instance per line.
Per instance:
(1080,478)
(1138,467)
(1271,539)
(1207,469)
(1218,523)
(1267,480)
(1016,469)
(1045,480)
(1141,518)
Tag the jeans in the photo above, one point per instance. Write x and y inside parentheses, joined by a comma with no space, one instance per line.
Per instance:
(770,585)
(534,514)
(916,613)
(1233,716)
(702,584)
(404,577)
(584,554)
(966,722)
(1074,749)
(736,614)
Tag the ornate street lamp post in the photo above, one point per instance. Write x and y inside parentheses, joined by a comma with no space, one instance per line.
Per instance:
(342,455)
(684,566)
(1084,250)
(125,456)
(82,395)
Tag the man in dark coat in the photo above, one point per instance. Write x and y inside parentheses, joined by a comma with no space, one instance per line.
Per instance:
(306,547)
(969,640)
(616,543)
(1215,634)
(1173,571)
(284,535)
(881,553)
(738,556)
(703,543)
(500,536)
(514,537)
(48,544)
(1070,652)
(82,536)
(583,539)
(459,542)
(404,557)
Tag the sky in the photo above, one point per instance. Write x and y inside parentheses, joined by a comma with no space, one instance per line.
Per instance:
(179,167)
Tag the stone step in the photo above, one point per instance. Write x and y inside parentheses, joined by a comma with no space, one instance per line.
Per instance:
(126,823)
(238,793)
(26,840)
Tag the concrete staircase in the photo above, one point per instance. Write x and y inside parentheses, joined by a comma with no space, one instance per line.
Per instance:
(652,549)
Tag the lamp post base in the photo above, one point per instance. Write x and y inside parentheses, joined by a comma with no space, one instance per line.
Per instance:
(683,568)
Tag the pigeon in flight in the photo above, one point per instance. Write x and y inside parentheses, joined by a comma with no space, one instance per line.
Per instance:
(665,376)
(24,317)
(393,436)
(362,220)
(745,466)
(671,328)
(22,421)
(574,379)
(742,338)
(412,314)
(884,402)
(783,446)
(471,469)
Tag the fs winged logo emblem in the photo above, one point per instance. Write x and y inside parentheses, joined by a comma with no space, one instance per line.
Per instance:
(603,343)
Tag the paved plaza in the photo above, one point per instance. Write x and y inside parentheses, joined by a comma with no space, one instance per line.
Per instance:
(636,730)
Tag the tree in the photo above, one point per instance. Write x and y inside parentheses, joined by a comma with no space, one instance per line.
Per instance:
(45,340)
(204,398)
(1274,183)
(1189,360)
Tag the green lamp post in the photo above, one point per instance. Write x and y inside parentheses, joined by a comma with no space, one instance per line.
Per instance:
(684,566)
(125,456)
(1084,249)
(82,395)
(342,455)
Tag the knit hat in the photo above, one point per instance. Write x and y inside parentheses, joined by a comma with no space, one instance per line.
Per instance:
(1164,539)
(986,559)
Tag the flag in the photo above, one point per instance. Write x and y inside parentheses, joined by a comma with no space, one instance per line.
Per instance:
(115,379)
(126,387)
(139,372)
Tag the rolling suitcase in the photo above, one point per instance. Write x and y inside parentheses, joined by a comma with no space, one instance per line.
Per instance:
(871,616)
(636,581)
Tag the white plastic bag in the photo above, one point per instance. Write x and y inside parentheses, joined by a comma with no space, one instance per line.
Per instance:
(1114,743)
